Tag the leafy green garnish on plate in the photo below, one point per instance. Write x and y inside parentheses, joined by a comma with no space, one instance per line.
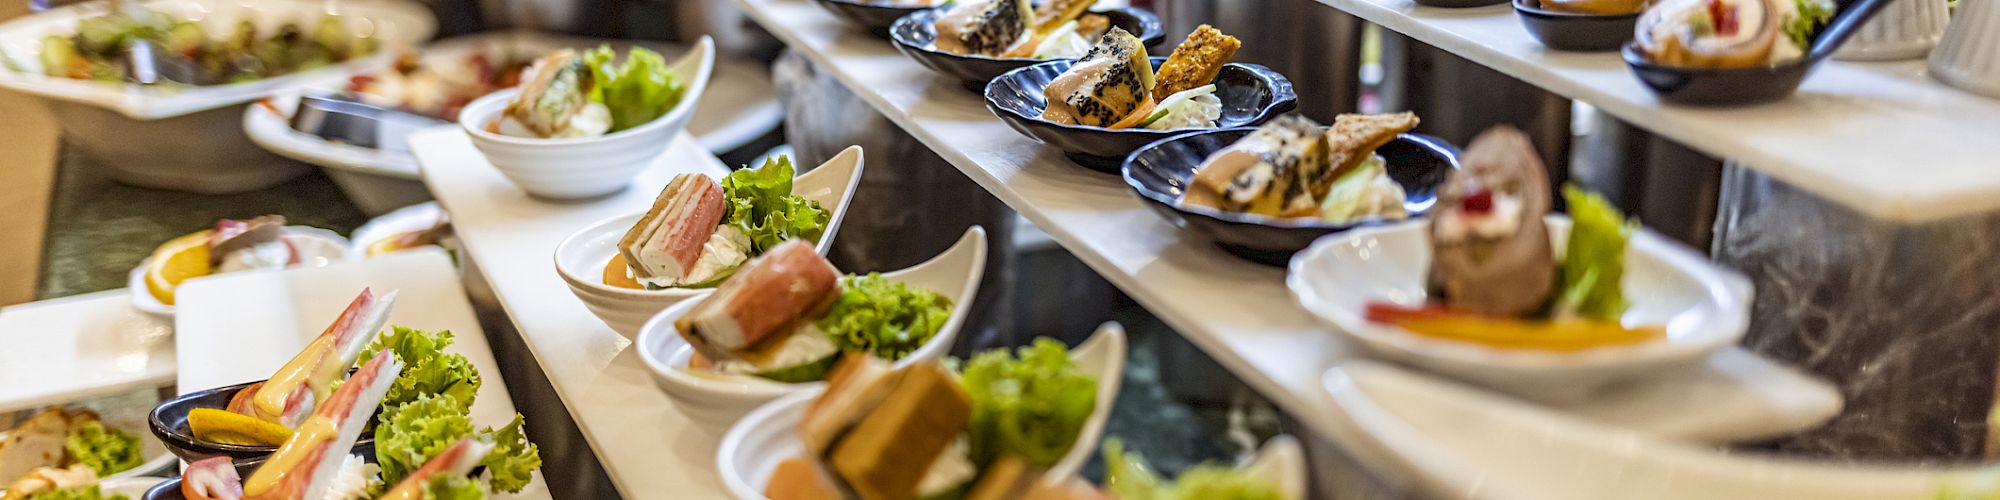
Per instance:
(761,204)
(1811,15)
(1127,477)
(410,434)
(884,317)
(427,369)
(106,450)
(1032,406)
(638,91)
(1593,262)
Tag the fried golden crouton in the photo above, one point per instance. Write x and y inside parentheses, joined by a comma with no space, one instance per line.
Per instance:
(1195,62)
(1353,138)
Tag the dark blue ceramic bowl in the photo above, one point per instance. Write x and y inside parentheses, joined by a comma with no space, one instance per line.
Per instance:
(1159,172)
(1742,86)
(1250,95)
(1573,31)
(1459,4)
(874,17)
(166,490)
(168,422)
(915,35)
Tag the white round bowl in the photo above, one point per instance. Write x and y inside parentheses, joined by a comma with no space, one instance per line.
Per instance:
(1702,306)
(721,399)
(769,435)
(320,247)
(585,167)
(581,258)
(415,217)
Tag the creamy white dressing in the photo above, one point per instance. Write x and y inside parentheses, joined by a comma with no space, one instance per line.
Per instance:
(808,345)
(594,120)
(268,255)
(953,468)
(727,249)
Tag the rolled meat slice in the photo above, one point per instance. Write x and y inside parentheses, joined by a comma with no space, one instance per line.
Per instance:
(294,390)
(772,293)
(1713,33)
(669,239)
(1490,252)
(304,467)
(459,460)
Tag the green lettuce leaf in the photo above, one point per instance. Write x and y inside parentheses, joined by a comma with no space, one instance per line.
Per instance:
(427,369)
(1032,406)
(106,450)
(1593,262)
(762,205)
(884,317)
(1811,15)
(78,493)
(637,92)
(1127,478)
(450,487)
(413,433)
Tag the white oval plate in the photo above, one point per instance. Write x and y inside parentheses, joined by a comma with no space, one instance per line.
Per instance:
(769,435)
(416,217)
(737,113)
(321,248)
(581,258)
(395,24)
(1703,307)
(720,399)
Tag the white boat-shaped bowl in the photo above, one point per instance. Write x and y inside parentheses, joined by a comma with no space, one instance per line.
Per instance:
(581,258)
(757,443)
(1702,306)
(394,24)
(584,167)
(319,246)
(720,399)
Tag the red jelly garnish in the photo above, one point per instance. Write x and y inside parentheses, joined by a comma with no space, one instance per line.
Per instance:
(1478,202)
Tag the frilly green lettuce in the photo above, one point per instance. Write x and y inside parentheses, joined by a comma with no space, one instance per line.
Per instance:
(106,450)
(638,91)
(410,434)
(1593,263)
(883,317)
(427,369)
(761,204)
(78,493)
(1032,406)
(449,487)
(1127,478)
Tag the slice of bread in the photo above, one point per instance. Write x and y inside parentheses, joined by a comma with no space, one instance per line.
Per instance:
(1353,138)
(1195,62)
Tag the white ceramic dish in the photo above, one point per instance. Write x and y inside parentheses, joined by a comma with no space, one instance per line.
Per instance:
(720,399)
(318,248)
(393,23)
(769,435)
(581,258)
(416,217)
(243,327)
(1460,442)
(1702,306)
(133,487)
(378,181)
(82,347)
(591,166)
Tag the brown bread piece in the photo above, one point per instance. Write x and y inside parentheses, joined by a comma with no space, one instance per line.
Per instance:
(1195,62)
(1353,138)
(888,453)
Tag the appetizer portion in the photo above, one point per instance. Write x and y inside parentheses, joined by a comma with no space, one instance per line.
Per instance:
(926,432)
(569,95)
(229,246)
(59,449)
(1059,29)
(438,89)
(1114,85)
(1730,33)
(439,235)
(1494,278)
(699,232)
(103,47)
(425,442)
(1293,168)
(789,315)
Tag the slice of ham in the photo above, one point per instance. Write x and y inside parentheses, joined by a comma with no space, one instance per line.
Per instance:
(668,240)
(773,292)
(459,460)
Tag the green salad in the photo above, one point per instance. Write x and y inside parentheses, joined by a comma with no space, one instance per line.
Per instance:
(1593,262)
(449,487)
(97,51)
(78,493)
(1811,16)
(106,450)
(762,206)
(408,435)
(637,91)
(1031,403)
(1127,477)
(886,318)
(427,369)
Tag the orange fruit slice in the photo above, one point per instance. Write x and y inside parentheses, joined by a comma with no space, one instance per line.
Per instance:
(616,275)
(226,427)
(176,261)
